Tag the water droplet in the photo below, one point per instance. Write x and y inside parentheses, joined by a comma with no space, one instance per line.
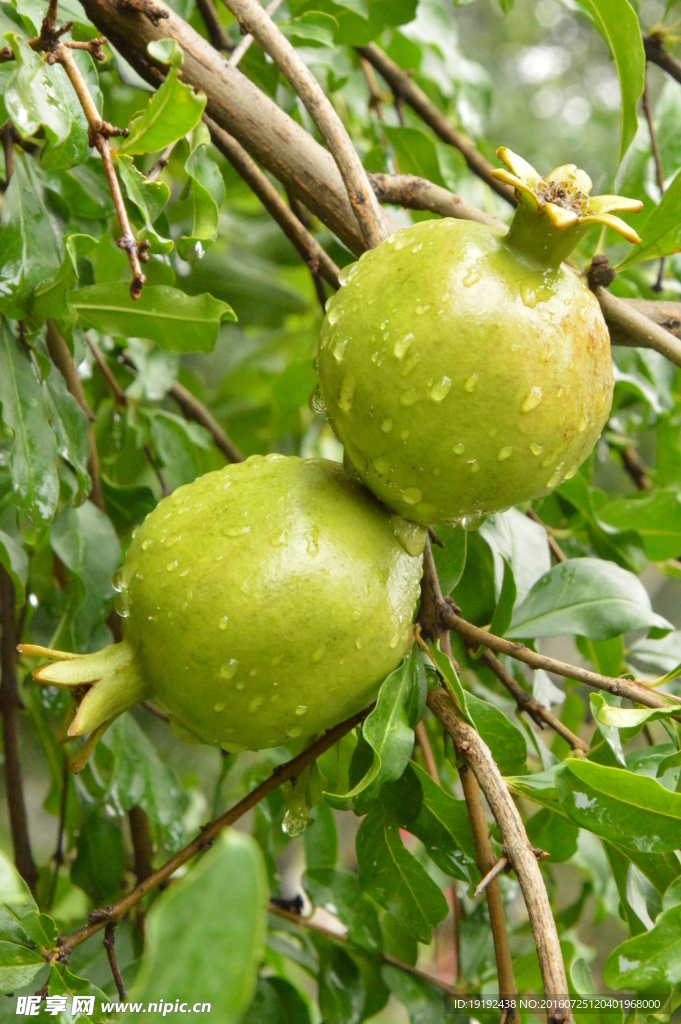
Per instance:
(359,643)
(240,685)
(339,350)
(395,641)
(471,383)
(222,624)
(400,243)
(229,669)
(347,393)
(317,655)
(420,310)
(316,403)
(382,466)
(417,248)
(532,399)
(146,544)
(515,347)
(347,273)
(409,397)
(122,606)
(255,703)
(117,580)
(171,566)
(172,541)
(505,453)
(301,709)
(387,426)
(445,297)
(439,392)
(294,733)
(536,449)
(528,296)
(411,536)
(556,476)
(237,531)
(181,511)
(218,707)
(582,425)
(472,277)
(334,314)
(412,496)
(459,448)
(278,542)
(475,465)
(571,472)
(401,345)
(404,434)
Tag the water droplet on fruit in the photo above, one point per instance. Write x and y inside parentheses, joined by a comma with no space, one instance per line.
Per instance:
(472,277)
(359,643)
(536,449)
(255,703)
(117,581)
(339,350)
(459,448)
(411,536)
(316,403)
(237,531)
(401,345)
(417,248)
(471,383)
(420,310)
(515,347)
(445,297)
(395,641)
(229,669)
(400,243)
(412,496)
(557,475)
(347,393)
(475,465)
(240,685)
(571,472)
(301,709)
(582,425)
(171,566)
(404,434)
(218,707)
(533,398)
(181,511)
(387,426)
(528,296)
(172,541)
(347,273)
(146,544)
(409,397)
(334,314)
(440,391)
(122,606)
(293,734)
(505,453)
(222,624)
(382,466)
(317,655)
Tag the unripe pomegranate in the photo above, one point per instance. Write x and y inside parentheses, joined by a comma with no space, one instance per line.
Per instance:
(262,603)
(464,368)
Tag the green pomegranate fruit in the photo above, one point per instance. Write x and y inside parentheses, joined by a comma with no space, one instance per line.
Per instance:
(262,603)
(464,368)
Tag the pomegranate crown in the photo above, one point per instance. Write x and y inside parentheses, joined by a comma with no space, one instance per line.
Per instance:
(563,195)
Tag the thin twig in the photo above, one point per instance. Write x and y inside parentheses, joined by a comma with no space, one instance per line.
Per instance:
(214,27)
(493,872)
(306,244)
(636,468)
(58,855)
(162,162)
(656,54)
(427,751)
(255,20)
(7,136)
(554,546)
(291,769)
(99,132)
(404,87)
(376,97)
(142,846)
(305,218)
(655,149)
(475,637)
(109,940)
(416,193)
(61,357)
(9,708)
(247,41)
(534,708)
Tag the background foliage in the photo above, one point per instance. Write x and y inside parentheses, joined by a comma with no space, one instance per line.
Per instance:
(230,312)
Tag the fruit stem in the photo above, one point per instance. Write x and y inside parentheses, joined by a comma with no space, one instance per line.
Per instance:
(533,236)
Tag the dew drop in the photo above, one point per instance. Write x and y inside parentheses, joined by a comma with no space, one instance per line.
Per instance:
(146,544)
(218,707)
(117,580)
(420,310)
(387,426)
(229,669)
(471,383)
(382,466)
(255,703)
(409,397)
(359,643)
(334,314)
(505,453)
(339,350)
(395,641)
(557,475)
(475,465)
(240,685)
(412,496)
(582,425)
(532,399)
(515,347)
(301,709)
(401,345)
(222,624)
(347,393)
(293,734)
(472,277)
(122,606)
(536,449)
(417,248)
(347,273)
(171,566)
(459,448)
(404,434)
(237,531)
(440,391)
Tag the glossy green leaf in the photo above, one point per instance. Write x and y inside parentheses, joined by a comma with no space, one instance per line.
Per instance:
(149,197)
(415,153)
(63,983)
(313,28)
(438,819)
(552,833)
(425,1003)
(660,233)
(33,457)
(219,906)
(276,1001)
(631,810)
(341,993)
(168,317)
(628,718)
(100,862)
(504,739)
(70,427)
(388,730)
(339,893)
(450,560)
(450,678)
(617,22)
(321,838)
(649,962)
(655,517)
(587,596)
(14,560)
(18,966)
(173,111)
(503,613)
(207,192)
(49,298)
(395,879)
(522,543)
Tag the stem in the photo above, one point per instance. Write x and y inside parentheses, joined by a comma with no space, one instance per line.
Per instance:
(636,468)
(405,88)
(247,40)
(142,846)
(630,327)
(657,287)
(415,193)
(533,237)
(362,199)
(427,751)
(290,770)
(109,940)
(216,33)
(656,54)
(58,855)
(7,136)
(9,706)
(554,546)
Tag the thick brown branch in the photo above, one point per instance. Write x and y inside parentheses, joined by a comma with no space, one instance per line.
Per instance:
(306,244)
(664,314)
(9,708)
(209,833)
(255,20)
(629,327)
(61,357)
(420,194)
(656,54)
(633,690)
(404,87)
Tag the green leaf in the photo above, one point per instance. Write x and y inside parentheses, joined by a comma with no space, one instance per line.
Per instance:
(31,248)
(617,22)
(166,316)
(394,878)
(63,983)
(49,298)
(450,560)
(173,111)
(388,730)
(18,908)
(33,457)
(506,742)
(415,153)
(219,906)
(14,560)
(660,233)
(149,197)
(631,810)
(649,962)
(341,993)
(441,822)
(70,426)
(321,839)
(550,832)
(339,893)
(208,193)
(425,1003)
(656,518)
(314,28)
(276,1001)
(100,863)
(627,718)
(451,680)
(18,966)
(167,51)
(587,596)
(503,613)
(522,543)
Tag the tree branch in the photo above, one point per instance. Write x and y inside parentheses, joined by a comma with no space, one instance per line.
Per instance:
(290,770)
(629,327)
(214,27)
(142,846)
(255,20)
(109,940)
(633,690)
(404,87)
(656,54)
(247,40)
(415,193)
(554,546)
(9,707)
